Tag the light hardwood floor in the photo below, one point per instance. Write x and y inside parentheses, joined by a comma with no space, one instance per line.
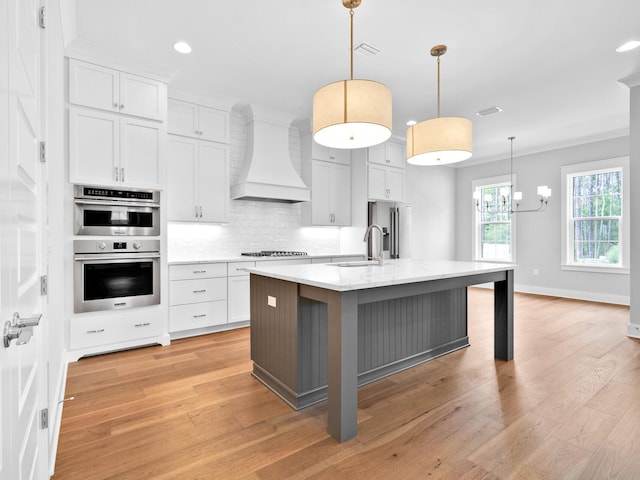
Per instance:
(567,407)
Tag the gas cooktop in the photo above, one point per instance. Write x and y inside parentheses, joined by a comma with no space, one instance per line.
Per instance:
(274,253)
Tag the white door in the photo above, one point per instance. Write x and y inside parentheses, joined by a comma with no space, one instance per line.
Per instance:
(21,370)
(182,164)
(340,194)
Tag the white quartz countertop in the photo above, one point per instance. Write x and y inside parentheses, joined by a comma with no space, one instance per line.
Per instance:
(393,272)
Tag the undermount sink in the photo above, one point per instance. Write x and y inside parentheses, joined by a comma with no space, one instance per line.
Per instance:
(363,263)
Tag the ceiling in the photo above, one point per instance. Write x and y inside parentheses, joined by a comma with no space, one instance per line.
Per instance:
(550,65)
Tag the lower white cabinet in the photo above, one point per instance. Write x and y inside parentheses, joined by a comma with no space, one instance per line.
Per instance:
(238,289)
(110,329)
(197,296)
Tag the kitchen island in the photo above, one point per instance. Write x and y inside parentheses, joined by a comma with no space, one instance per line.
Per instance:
(320,331)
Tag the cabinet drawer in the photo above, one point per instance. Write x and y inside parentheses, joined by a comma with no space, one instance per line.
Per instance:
(195,291)
(197,315)
(91,332)
(236,269)
(197,270)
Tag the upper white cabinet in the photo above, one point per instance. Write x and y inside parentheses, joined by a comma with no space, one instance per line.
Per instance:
(330,193)
(385,183)
(197,180)
(336,155)
(104,88)
(114,150)
(387,153)
(328,172)
(198,121)
(385,173)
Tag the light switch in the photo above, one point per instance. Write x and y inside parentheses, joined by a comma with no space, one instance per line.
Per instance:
(271,301)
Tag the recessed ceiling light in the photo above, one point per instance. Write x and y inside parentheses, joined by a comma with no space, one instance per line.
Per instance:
(625,47)
(182,47)
(488,111)
(411,122)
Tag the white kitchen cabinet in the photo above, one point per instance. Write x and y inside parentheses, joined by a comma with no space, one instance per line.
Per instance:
(197,121)
(335,155)
(388,153)
(239,301)
(86,332)
(197,180)
(114,150)
(104,88)
(197,296)
(385,183)
(330,194)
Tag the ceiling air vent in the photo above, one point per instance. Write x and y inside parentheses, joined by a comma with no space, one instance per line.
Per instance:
(366,49)
(488,111)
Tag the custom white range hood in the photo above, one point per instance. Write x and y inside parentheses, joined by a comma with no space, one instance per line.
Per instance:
(267,173)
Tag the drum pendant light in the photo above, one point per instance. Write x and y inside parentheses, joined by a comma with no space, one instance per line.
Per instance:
(440,140)
(352,113)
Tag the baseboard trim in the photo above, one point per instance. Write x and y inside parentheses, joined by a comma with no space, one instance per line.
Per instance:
(633,330)
(573,294)
(56,416)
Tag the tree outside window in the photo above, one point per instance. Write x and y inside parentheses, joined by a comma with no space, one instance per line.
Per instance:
(596,214)
(595,234)
(494,239)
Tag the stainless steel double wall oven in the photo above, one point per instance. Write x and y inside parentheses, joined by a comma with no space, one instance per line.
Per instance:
(112,273)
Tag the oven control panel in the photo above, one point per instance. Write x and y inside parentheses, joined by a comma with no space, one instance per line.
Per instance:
(115,246)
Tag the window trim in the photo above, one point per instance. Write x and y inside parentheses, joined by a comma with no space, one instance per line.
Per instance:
(586,168)
(475,218)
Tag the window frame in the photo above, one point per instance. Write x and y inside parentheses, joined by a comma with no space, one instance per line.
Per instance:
(568,172)
(478,185)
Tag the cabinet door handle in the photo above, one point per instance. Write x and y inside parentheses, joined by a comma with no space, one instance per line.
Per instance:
(146,324)
(200,211)
(200,291)
(200,315)
(122,174)
(116,174)
(196,207)
(121,106)
(115,104)
(96,331)
(199,271)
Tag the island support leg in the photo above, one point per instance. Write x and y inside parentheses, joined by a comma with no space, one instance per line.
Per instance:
(342,344)
(503,318)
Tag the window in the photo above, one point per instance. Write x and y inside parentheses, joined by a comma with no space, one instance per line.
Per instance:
(596,233)
(494,233)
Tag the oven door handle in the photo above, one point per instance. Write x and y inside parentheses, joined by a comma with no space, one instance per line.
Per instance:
(116,204)
(117,256)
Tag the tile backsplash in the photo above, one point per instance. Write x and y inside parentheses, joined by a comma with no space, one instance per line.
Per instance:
(253,225)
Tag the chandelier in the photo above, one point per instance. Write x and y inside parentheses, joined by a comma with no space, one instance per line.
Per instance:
(509,198)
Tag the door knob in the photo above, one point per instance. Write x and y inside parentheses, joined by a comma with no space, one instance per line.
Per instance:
(20,335)
(26,322)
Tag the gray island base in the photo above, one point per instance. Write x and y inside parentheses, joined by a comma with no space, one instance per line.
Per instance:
(321,331)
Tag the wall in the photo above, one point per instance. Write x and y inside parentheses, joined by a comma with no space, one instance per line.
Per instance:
(253,225)
(633,82)
(538,243)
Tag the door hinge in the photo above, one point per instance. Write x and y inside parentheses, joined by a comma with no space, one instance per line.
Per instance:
(44,286)
(42,18)
(44,418)
(43,151)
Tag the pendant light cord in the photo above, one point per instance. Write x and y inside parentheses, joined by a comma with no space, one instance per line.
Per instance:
(438,86)
(511,166)
(351,49)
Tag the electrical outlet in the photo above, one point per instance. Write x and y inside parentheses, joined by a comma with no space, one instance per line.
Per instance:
(271,301)
(535,272)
